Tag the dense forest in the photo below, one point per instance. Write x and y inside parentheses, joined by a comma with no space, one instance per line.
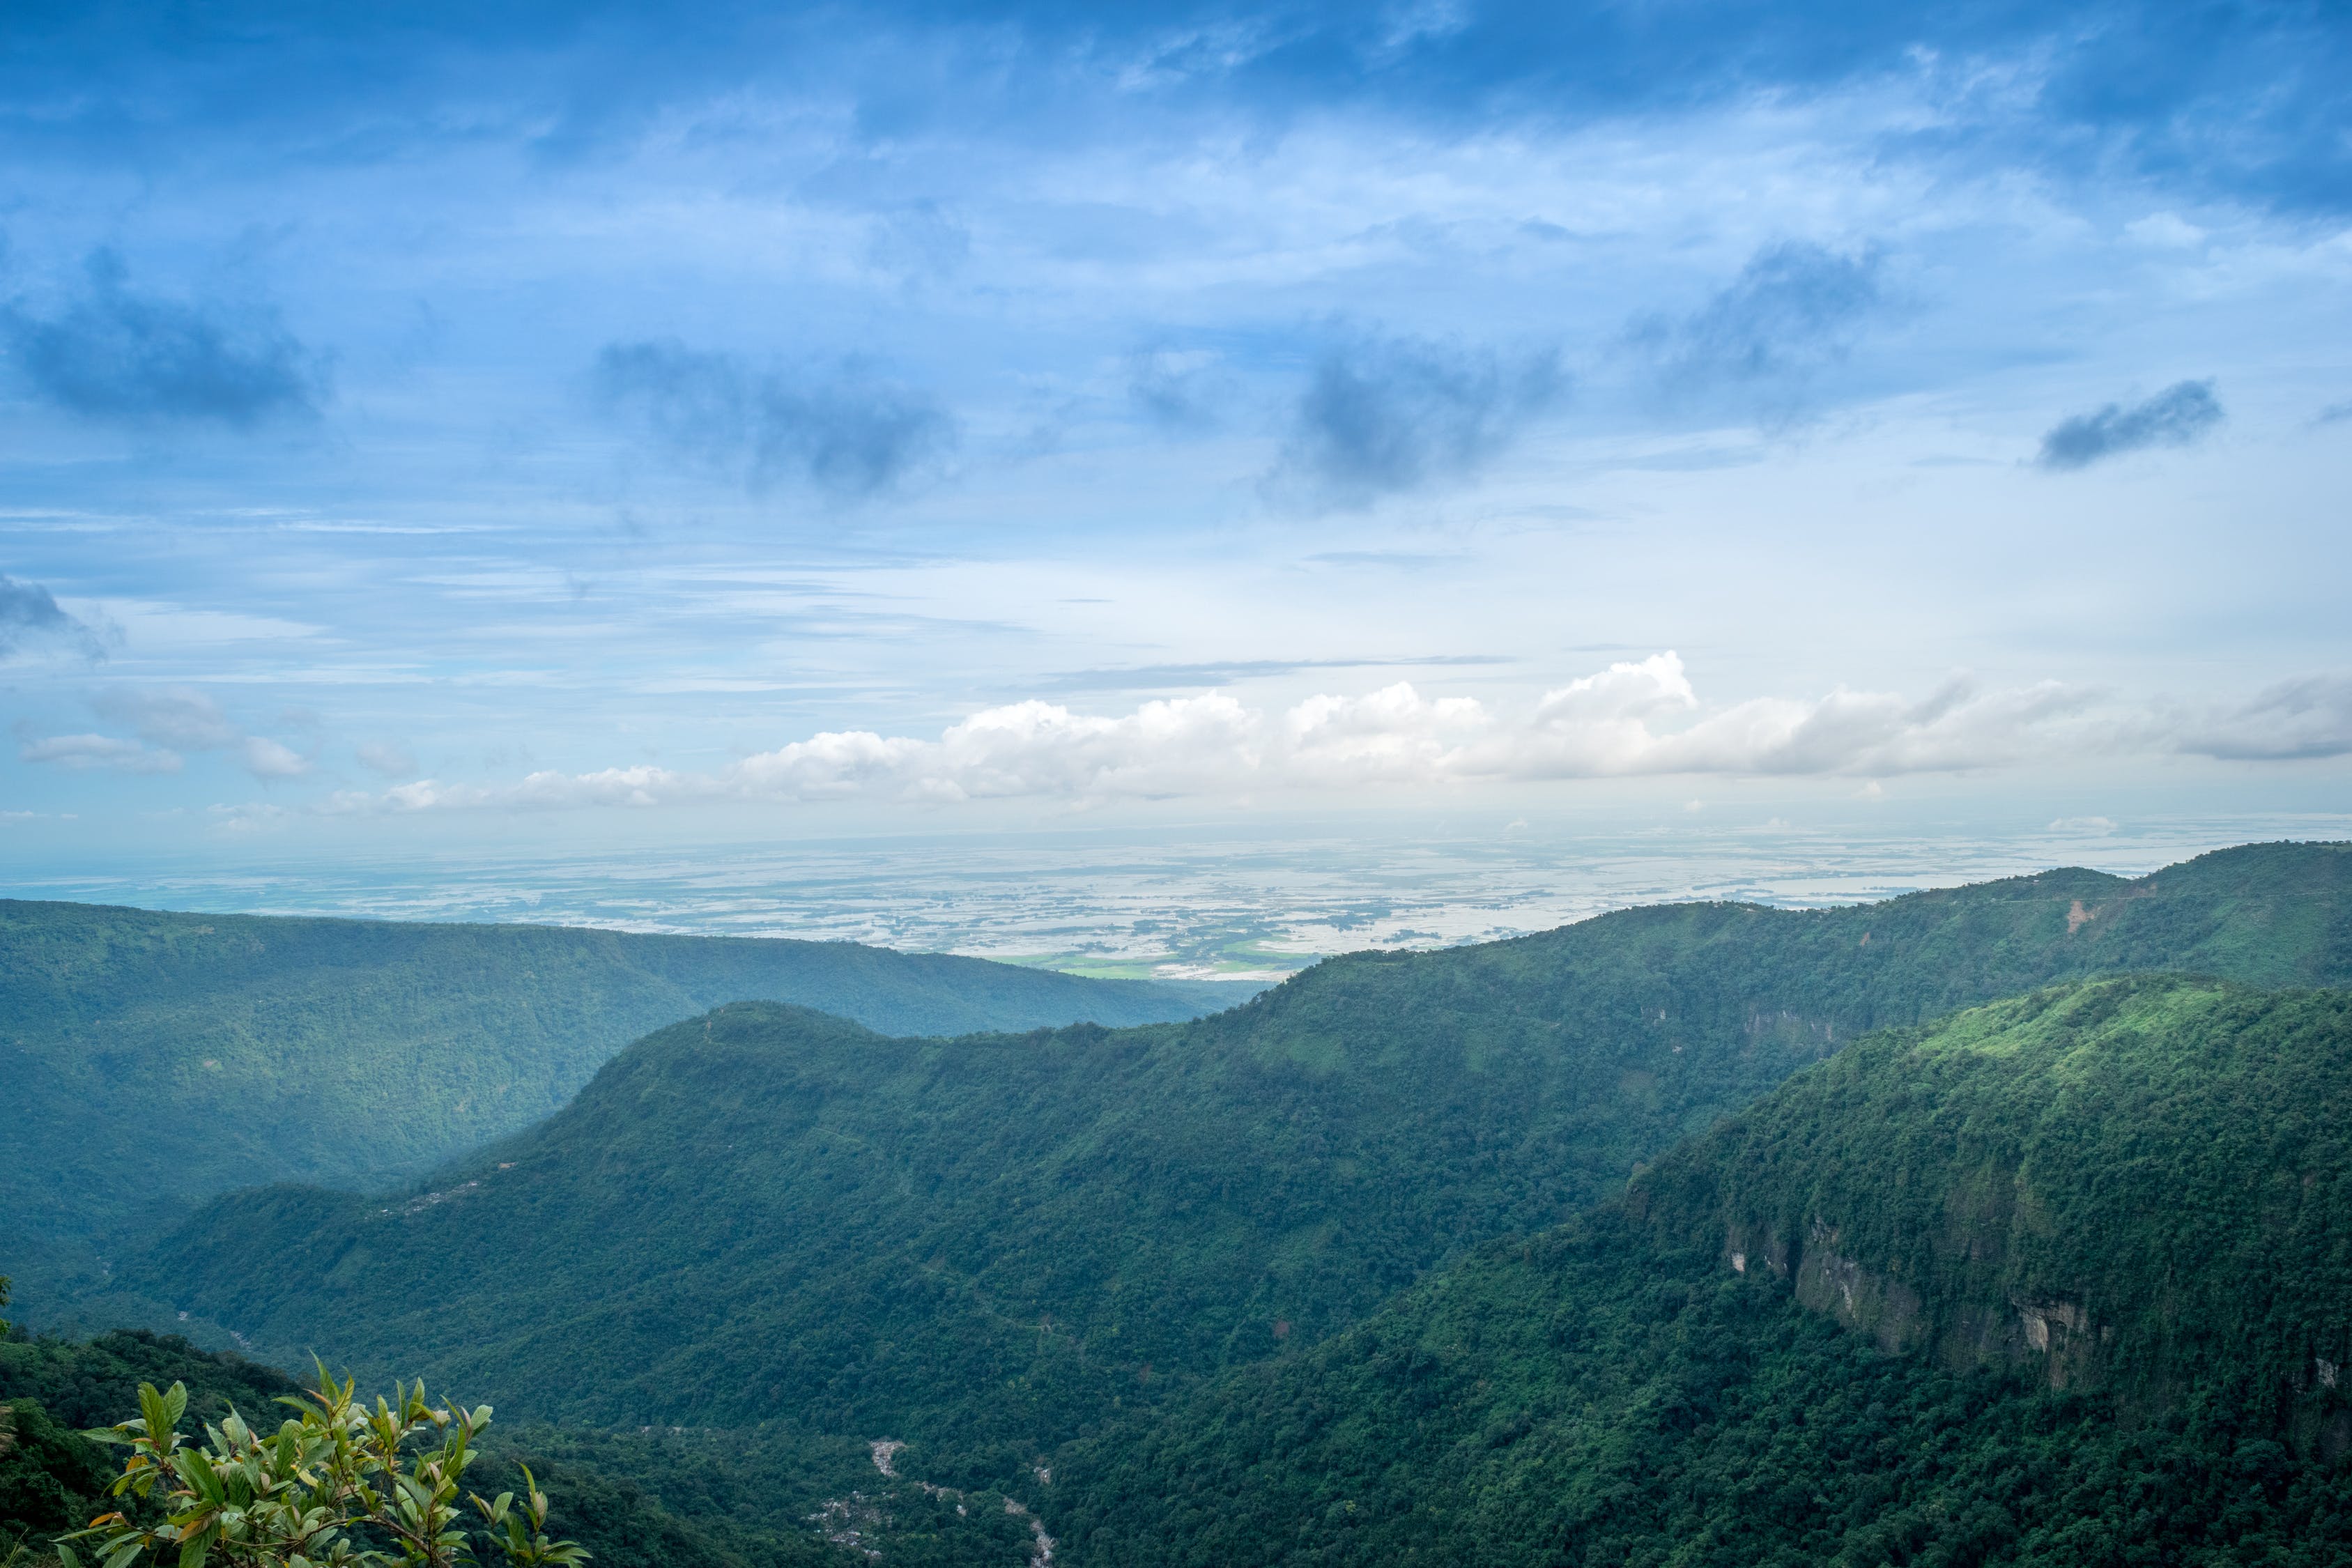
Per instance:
(1701,1233)
(271,1038)
(2063,1280)
(981,1246)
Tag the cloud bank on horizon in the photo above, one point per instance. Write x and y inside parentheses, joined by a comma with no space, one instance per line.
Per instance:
(519,406)
(1599,726)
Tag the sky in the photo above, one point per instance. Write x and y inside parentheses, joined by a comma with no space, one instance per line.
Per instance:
(606,425)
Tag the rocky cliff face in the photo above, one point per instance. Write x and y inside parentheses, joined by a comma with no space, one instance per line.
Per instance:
(2133,1186)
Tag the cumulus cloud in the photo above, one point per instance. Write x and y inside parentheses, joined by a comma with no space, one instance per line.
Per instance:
(167,723)
(1384,415)
(1636,718)
(848,434)
(1795,308)
(108,352)
(2184,413)
(30,616)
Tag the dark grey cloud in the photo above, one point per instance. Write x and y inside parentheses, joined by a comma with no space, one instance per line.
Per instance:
(30,614)
(2183,413)
(109,352)
(1382,416)
(848,434)
(1795,308)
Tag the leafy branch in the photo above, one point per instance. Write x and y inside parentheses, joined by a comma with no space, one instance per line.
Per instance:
(338,1483)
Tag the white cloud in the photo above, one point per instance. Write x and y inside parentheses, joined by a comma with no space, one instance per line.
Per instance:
(1634,719)
(267,759)
(168,721)
(98,752)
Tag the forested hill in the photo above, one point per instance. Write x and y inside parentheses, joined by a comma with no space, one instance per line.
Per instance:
(983,1246)
(2065,1280)
(163,1057)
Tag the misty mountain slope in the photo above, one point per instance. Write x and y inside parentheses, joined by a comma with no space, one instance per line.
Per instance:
(1894,1313)
(992,1243)
(154,1056)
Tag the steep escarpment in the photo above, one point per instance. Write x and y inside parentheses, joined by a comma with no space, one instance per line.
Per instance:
(2131,1183)
(2051,1279)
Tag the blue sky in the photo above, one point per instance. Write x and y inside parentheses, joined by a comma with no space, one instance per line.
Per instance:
(769,422)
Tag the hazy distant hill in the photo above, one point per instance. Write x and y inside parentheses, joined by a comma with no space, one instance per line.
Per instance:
(152,1057)
(2065,1280)
(987,1246)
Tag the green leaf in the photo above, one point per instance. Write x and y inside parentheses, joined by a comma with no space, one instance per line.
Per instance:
(155,1411)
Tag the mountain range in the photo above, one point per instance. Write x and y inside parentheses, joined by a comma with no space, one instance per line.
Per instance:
(156,1059)
(2006,1223)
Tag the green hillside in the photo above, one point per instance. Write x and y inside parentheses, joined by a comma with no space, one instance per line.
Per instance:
(2063,1280)
(988,1246)
(152,1059)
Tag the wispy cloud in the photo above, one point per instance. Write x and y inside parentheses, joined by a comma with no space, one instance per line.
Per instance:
(29,614)
(2182,414)
(849,434)
(167,722)
(1795,310)
(109,352)
(391,761)
(175,716)
(1384,415)
(1178,389)
(918,240)
(89,750)
(2305,718)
